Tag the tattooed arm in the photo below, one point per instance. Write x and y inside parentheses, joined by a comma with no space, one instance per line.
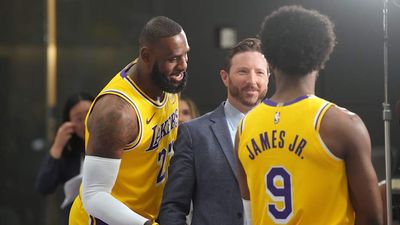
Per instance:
(112,125)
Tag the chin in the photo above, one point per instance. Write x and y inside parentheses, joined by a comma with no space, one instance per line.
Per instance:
(252,102)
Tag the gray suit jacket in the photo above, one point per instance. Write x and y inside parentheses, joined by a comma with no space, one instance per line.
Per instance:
(203,169)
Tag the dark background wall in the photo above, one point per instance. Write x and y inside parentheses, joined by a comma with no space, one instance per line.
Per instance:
(97,38)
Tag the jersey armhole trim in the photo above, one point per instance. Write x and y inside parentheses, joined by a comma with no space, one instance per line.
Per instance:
(327,150)
(121,94)
(317,125)
(320,114)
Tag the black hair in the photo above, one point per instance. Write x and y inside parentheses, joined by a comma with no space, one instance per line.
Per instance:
(157,28)
(296,40)
(72,101)
(76,144)
(246,45)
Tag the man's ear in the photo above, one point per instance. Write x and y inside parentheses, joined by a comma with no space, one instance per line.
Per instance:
(225,77)
(145,55)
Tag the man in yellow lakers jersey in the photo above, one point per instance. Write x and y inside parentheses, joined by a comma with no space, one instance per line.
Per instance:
(130,131)
(304,160)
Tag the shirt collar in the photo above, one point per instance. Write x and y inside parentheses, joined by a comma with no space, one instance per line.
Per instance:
(233,116)
(232,113)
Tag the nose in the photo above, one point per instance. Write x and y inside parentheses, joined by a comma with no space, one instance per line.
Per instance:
(252,77)
(182,64)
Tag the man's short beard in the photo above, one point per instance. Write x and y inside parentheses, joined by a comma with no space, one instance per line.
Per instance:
(166,85)
(239,96)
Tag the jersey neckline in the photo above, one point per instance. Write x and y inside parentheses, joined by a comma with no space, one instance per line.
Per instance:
(272,103)
(124,75)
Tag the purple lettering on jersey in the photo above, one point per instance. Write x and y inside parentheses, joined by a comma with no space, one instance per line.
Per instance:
(161,130)
(273,139)
(255,147)
(297,147)
(283,191)
(251,155)
(264,141)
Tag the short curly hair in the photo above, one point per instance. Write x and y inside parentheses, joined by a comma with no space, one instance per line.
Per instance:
(296,40)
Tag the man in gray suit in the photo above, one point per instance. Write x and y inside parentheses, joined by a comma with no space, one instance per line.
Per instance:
(203,168)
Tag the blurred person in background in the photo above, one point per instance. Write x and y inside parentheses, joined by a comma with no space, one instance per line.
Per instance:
(187,109)
(63,162)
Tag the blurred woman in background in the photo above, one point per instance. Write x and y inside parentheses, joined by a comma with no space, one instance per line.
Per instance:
(187,109)
(68,149)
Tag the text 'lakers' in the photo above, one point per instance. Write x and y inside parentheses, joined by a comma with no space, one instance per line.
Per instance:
(160,130)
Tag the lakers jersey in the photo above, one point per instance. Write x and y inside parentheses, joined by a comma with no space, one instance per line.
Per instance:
(292,176)
(144,163)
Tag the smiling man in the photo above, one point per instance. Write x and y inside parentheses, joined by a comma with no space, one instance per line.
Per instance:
(203,169)
(130,130)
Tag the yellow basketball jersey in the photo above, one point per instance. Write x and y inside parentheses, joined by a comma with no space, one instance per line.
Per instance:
(292,176)
(143,170)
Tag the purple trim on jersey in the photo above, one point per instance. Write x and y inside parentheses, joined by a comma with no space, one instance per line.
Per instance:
(269,102)
(145,96)
(123,73)
(296,100)
(96,221)
(319,115)
(272,103)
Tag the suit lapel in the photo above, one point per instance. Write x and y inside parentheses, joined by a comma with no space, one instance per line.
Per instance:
(221,131)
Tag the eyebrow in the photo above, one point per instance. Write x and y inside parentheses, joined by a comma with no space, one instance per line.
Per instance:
(172,54)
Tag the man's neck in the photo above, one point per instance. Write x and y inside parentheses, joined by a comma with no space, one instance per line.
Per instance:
(143,80)
(242,108)
(290,87)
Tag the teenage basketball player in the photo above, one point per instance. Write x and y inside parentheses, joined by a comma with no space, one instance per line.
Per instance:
(304,160)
